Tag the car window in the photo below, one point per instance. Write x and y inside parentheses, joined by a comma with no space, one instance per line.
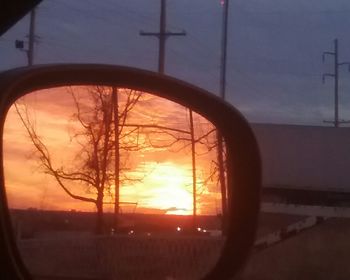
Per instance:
(287,71)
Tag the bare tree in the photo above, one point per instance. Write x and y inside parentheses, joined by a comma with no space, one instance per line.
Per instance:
(107,129)
(93,165)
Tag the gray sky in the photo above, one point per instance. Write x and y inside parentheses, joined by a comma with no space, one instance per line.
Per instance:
(274,49)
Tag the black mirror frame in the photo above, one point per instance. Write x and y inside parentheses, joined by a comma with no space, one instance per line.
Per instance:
(244,166)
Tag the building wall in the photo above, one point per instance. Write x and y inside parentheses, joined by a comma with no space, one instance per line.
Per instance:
(305,157)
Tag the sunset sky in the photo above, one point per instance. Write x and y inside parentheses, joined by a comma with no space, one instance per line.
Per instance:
(274,51)
(156,175)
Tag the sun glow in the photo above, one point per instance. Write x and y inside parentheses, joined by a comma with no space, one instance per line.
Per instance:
(167,187)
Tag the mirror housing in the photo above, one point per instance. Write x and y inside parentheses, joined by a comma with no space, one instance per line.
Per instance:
(243,159)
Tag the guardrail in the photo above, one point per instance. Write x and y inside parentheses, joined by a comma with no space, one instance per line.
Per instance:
(287,232)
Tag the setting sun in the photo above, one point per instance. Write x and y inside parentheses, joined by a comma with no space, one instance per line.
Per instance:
(167,187)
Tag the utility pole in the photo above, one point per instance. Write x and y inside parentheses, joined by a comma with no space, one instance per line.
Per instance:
(194,176)
(221,161)
(335,76)
(162,35)
(19,44)
(115,113)
(225,5)
(31,38)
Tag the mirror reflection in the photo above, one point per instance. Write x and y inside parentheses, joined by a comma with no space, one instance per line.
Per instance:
(114,183)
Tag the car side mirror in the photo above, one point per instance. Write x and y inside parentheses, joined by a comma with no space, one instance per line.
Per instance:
(123,173)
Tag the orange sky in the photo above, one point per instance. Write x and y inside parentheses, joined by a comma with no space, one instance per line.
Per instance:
(162,177)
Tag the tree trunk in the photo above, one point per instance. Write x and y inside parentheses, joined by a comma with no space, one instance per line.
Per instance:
(99,216)
(117,157)
(222,180)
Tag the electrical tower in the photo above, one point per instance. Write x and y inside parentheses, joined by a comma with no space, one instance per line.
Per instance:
(19,44)
(335,76)
(162,35)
